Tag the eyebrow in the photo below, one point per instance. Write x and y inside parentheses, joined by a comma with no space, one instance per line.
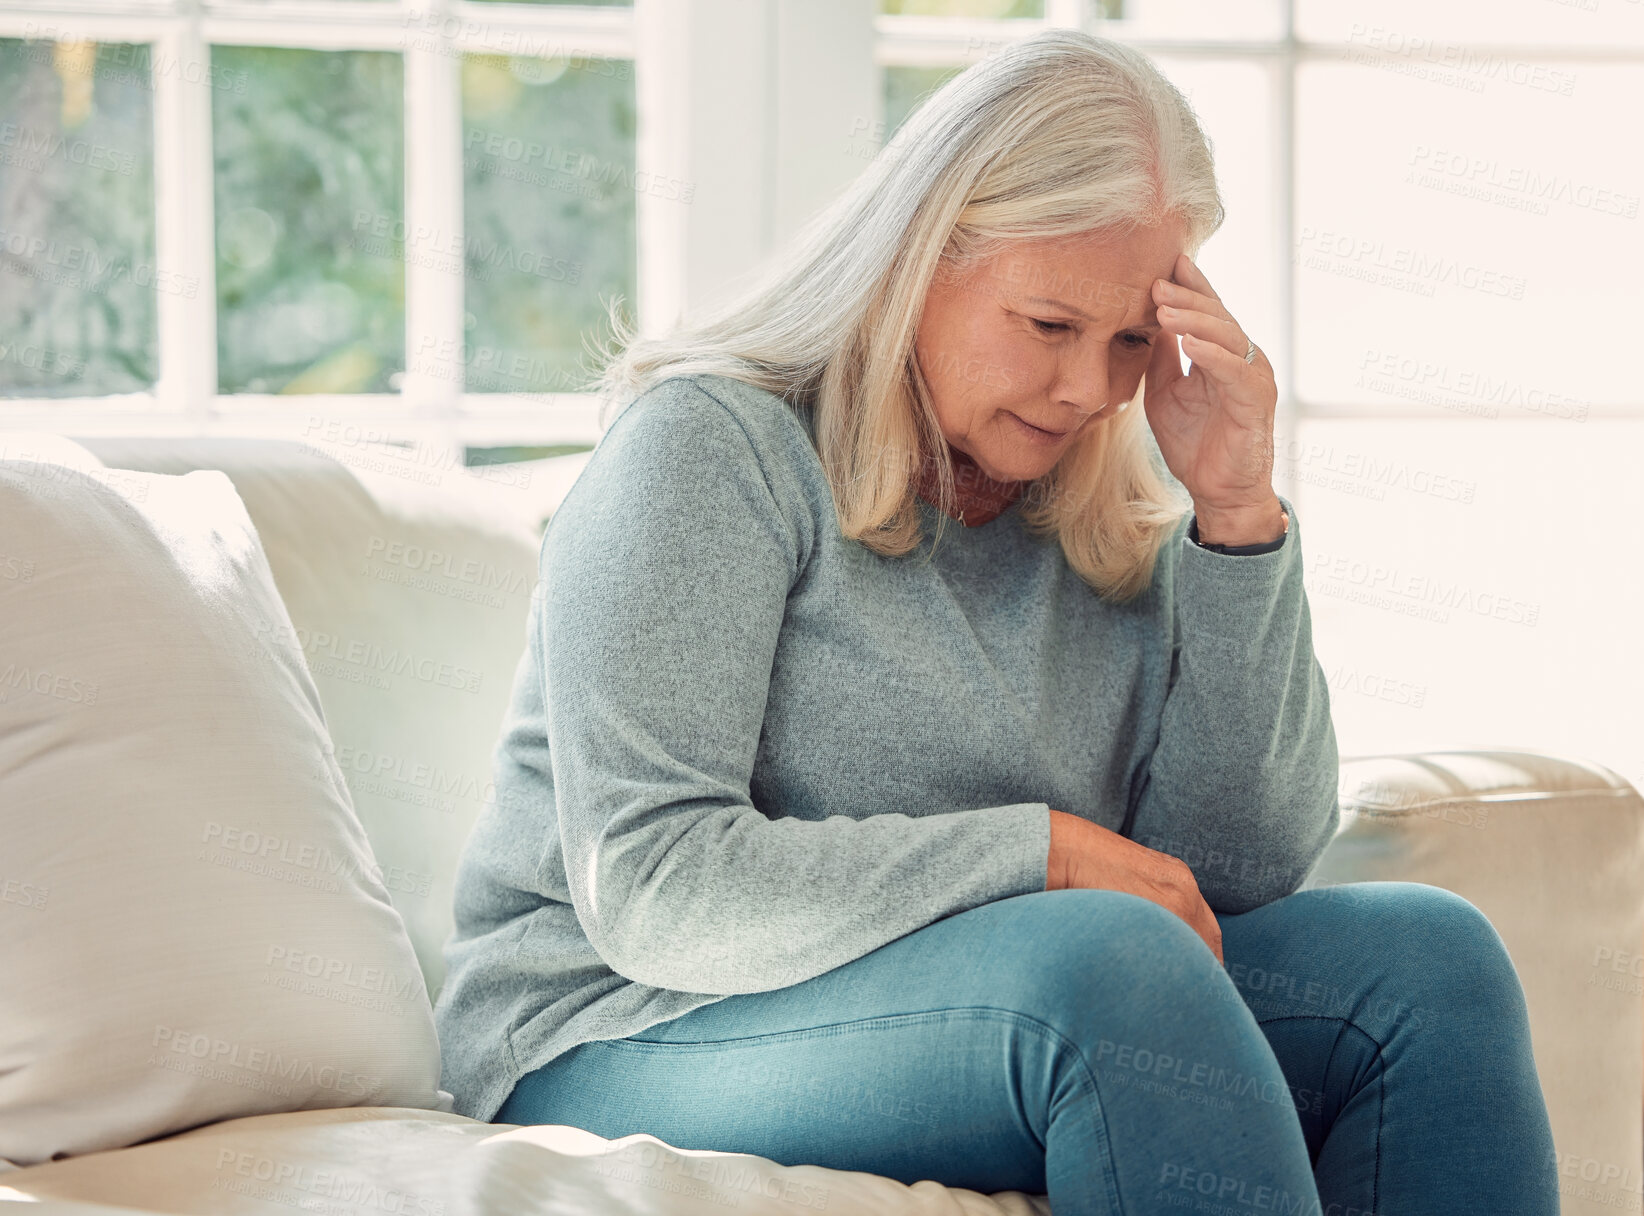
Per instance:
(1153,324)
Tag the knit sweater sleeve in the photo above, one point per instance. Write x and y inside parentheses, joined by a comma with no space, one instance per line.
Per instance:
(666,572)
(1242,784)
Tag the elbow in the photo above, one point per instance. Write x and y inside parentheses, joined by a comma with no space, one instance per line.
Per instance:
(642,945)
(648,924)
(643,968)
(1235,899)
(1314,810)
(680,962)
(623,938)
(658,951)
(622,950)
(1261,881)
(609,925)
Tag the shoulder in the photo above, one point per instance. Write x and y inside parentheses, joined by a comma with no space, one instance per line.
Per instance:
(702,407)
(704,448)
(726,426)
(674,422)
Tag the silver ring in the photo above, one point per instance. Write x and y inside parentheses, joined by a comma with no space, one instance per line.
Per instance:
(1250,351)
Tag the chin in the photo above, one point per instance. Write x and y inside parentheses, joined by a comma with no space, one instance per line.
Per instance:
(1018,466)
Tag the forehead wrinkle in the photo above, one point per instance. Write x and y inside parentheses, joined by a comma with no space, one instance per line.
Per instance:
(1149,318)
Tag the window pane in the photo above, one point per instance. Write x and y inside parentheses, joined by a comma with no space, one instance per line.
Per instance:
(905,88)
(310,223)
(1235,102)
(1462,246)
(1451,606)
(1420,31)
(550,185)
(1193,20)
(964,8)
(77,263)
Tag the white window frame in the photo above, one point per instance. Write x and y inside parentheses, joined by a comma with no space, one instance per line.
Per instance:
(809,69)
(700,66)
(430,36)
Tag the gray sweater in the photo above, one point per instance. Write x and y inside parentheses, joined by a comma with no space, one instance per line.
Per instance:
(743,751)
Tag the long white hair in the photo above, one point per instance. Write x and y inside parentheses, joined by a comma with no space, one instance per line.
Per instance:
(1060,133)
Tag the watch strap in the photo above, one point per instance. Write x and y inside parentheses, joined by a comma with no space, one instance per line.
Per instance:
(1239,550)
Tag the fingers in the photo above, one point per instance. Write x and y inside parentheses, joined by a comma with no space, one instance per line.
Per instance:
(1211,930)
(1164,368)
(1220,330)
(1192,908)
(1204,922)
(1161,877)
(1177,890)
(1190,903)
(1188,274)
(1181,299)
(1219,363)
(1190,307)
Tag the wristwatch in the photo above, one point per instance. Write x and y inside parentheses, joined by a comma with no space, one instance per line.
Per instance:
(1238,550)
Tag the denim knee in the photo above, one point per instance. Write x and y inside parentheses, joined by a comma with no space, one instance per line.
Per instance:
(1065,954)
(1440,952)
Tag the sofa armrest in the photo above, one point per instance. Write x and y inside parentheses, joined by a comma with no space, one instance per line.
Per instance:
(1551,850)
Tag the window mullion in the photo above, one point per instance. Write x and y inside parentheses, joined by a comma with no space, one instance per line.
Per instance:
(1290,411)
(661,87)
(824,97)
(700,71)
(185,226)
(433,248)
(1071,14)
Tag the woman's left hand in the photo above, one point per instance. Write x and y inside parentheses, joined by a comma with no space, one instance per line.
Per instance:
(1214,425)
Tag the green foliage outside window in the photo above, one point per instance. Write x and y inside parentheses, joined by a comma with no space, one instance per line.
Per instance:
(549,210)
(964,8)
(309,183)
(78,276)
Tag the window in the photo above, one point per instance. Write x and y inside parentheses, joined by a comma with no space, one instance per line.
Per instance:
(240,216)
(245,215)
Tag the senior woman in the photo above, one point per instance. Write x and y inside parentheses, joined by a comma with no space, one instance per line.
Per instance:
(907,774)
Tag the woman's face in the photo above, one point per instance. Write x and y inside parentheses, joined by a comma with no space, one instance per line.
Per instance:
(1042,341)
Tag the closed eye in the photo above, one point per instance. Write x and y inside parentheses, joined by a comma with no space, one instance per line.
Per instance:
(1132,341)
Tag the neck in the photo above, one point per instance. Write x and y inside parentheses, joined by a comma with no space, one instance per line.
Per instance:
(980,498)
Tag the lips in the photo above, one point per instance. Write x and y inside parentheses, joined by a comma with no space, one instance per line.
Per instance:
(1046,429)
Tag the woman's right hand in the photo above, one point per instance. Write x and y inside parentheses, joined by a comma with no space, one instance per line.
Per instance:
(1085,854)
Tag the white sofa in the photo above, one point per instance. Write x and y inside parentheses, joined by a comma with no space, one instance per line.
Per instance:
(367,545)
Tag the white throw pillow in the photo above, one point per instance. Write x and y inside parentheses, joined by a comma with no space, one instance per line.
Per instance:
(192,925)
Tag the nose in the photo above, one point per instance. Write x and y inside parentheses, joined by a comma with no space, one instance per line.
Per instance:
(1082,381)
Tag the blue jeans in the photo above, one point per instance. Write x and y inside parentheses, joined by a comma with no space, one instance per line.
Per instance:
(1365,1050)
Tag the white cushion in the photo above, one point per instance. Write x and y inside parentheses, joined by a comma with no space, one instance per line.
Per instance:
(409,590)
(413,1163)
(192,924)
